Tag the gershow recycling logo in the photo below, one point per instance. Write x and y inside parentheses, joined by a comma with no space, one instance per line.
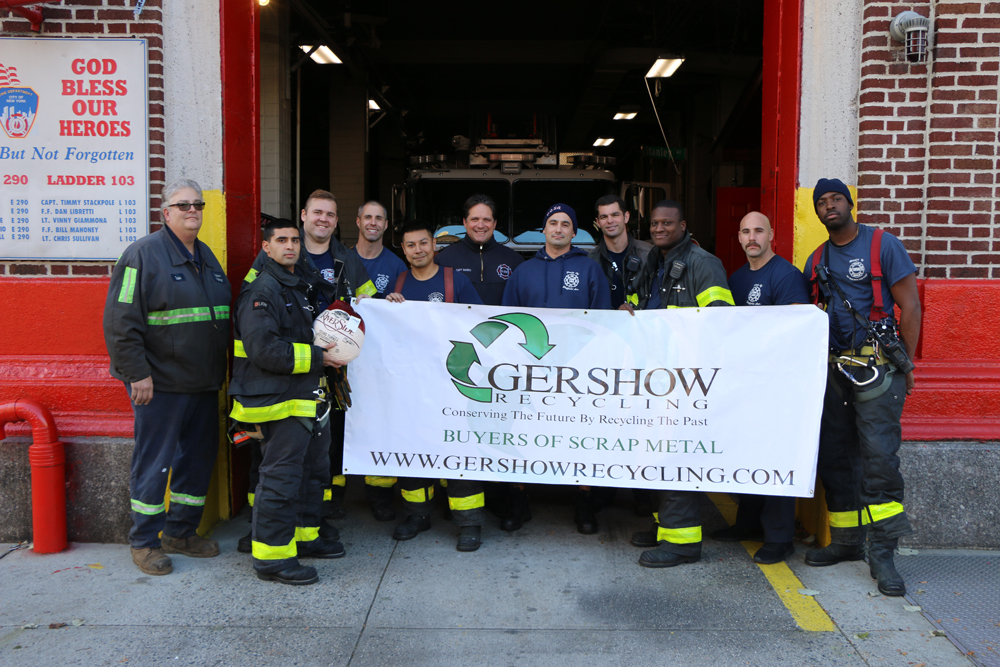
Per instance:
(463,355)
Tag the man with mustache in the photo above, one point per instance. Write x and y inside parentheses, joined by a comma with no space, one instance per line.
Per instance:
(765,280)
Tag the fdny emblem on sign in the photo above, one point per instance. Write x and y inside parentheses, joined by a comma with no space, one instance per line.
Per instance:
(571,280)
(856,269)
(18,104)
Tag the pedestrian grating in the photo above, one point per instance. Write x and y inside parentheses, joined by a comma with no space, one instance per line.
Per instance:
(960,593)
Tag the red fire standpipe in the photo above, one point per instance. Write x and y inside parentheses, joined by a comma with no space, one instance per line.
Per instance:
(48,474)
(34,16)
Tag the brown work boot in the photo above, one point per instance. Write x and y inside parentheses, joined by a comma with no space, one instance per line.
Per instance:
(152,560)
(194,546)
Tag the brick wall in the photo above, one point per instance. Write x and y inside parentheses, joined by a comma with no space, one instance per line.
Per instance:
(102,18)
(927,152)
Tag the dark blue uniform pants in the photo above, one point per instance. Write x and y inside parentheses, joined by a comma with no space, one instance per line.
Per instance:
(679,521)
(775,514)
(858,463)
(286,510)
(175,434)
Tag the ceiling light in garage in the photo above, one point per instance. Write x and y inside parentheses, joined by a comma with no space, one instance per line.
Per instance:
(373,105)
(263,3)
(604,141)
(625,115)
(322,55)
(664,67)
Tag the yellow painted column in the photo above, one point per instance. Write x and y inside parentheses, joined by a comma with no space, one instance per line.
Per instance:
(809,235)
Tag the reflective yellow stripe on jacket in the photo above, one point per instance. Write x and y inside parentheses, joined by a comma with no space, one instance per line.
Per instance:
(715,293)
(367,289)
(270,413)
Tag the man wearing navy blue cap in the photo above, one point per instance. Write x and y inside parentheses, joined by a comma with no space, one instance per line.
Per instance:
(558,276)
(870,273)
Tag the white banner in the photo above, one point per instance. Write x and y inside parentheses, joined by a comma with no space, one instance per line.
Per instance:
(712,399)
(74,147)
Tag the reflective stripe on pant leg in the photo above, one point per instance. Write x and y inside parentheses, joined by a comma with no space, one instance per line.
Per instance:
(838,461)
(276,507)
(250,499)
(679,530)
(880,435)
(380,482)
(327,494)
(306,534)
(466,499)
(193,463)
(421,495)
(339,480)
(849,519)
(417,495)
(679,535)
(157,429)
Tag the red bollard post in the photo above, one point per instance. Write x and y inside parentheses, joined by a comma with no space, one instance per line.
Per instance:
(48,474)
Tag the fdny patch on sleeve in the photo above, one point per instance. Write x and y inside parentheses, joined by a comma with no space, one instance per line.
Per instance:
(259,304)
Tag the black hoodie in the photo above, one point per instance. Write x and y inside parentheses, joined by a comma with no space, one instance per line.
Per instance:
(488,266)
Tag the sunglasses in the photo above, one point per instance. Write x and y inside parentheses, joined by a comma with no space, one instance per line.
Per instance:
(185,206)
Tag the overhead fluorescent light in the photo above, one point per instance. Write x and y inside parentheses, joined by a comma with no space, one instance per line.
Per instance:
(664,67)
(322,55)
(604,141)
(373,105)
(626,115)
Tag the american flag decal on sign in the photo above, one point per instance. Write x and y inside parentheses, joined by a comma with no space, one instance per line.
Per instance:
(8,76)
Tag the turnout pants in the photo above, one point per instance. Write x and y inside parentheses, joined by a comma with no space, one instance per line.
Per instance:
(465,499)
(858,462)
(293,473)
(679,520)
(175,435)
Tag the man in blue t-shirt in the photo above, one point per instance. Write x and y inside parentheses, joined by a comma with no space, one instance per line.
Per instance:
(864,392)
(765,280)
(382,266)
(426,281)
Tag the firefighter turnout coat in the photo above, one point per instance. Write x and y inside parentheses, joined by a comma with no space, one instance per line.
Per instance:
(277,369)
(702,280)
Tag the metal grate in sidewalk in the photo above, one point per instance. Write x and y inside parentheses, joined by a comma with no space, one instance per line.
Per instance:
(960,593)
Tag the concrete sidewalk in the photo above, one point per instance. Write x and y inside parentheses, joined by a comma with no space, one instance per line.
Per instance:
(545,595)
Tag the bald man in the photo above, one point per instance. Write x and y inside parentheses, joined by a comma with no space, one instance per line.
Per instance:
(765,280)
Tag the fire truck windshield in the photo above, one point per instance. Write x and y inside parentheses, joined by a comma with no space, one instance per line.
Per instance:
(532,197)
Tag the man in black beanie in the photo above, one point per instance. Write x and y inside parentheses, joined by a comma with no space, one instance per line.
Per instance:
(869,272)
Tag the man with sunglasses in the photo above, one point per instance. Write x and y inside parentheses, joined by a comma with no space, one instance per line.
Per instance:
(166,326)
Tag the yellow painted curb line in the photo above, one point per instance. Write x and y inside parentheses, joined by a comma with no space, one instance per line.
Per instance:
(804,609)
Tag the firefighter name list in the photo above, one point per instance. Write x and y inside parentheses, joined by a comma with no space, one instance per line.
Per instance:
(74,154)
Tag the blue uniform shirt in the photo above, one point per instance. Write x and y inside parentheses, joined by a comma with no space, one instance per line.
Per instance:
(432,289)
(383,270)
(777,283)
(850,266)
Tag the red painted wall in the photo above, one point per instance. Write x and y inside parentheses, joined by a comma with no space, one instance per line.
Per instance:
(53,352)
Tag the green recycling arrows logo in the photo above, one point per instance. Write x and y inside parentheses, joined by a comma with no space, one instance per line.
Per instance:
(463,355)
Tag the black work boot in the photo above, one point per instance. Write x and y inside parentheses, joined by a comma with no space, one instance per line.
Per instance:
(834,553)
(245,545)
(328,531)
(883,570)
(586,521)
(293,575)
(518,512)
(411,527)
(645,539)
(469,538)
(660,557)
